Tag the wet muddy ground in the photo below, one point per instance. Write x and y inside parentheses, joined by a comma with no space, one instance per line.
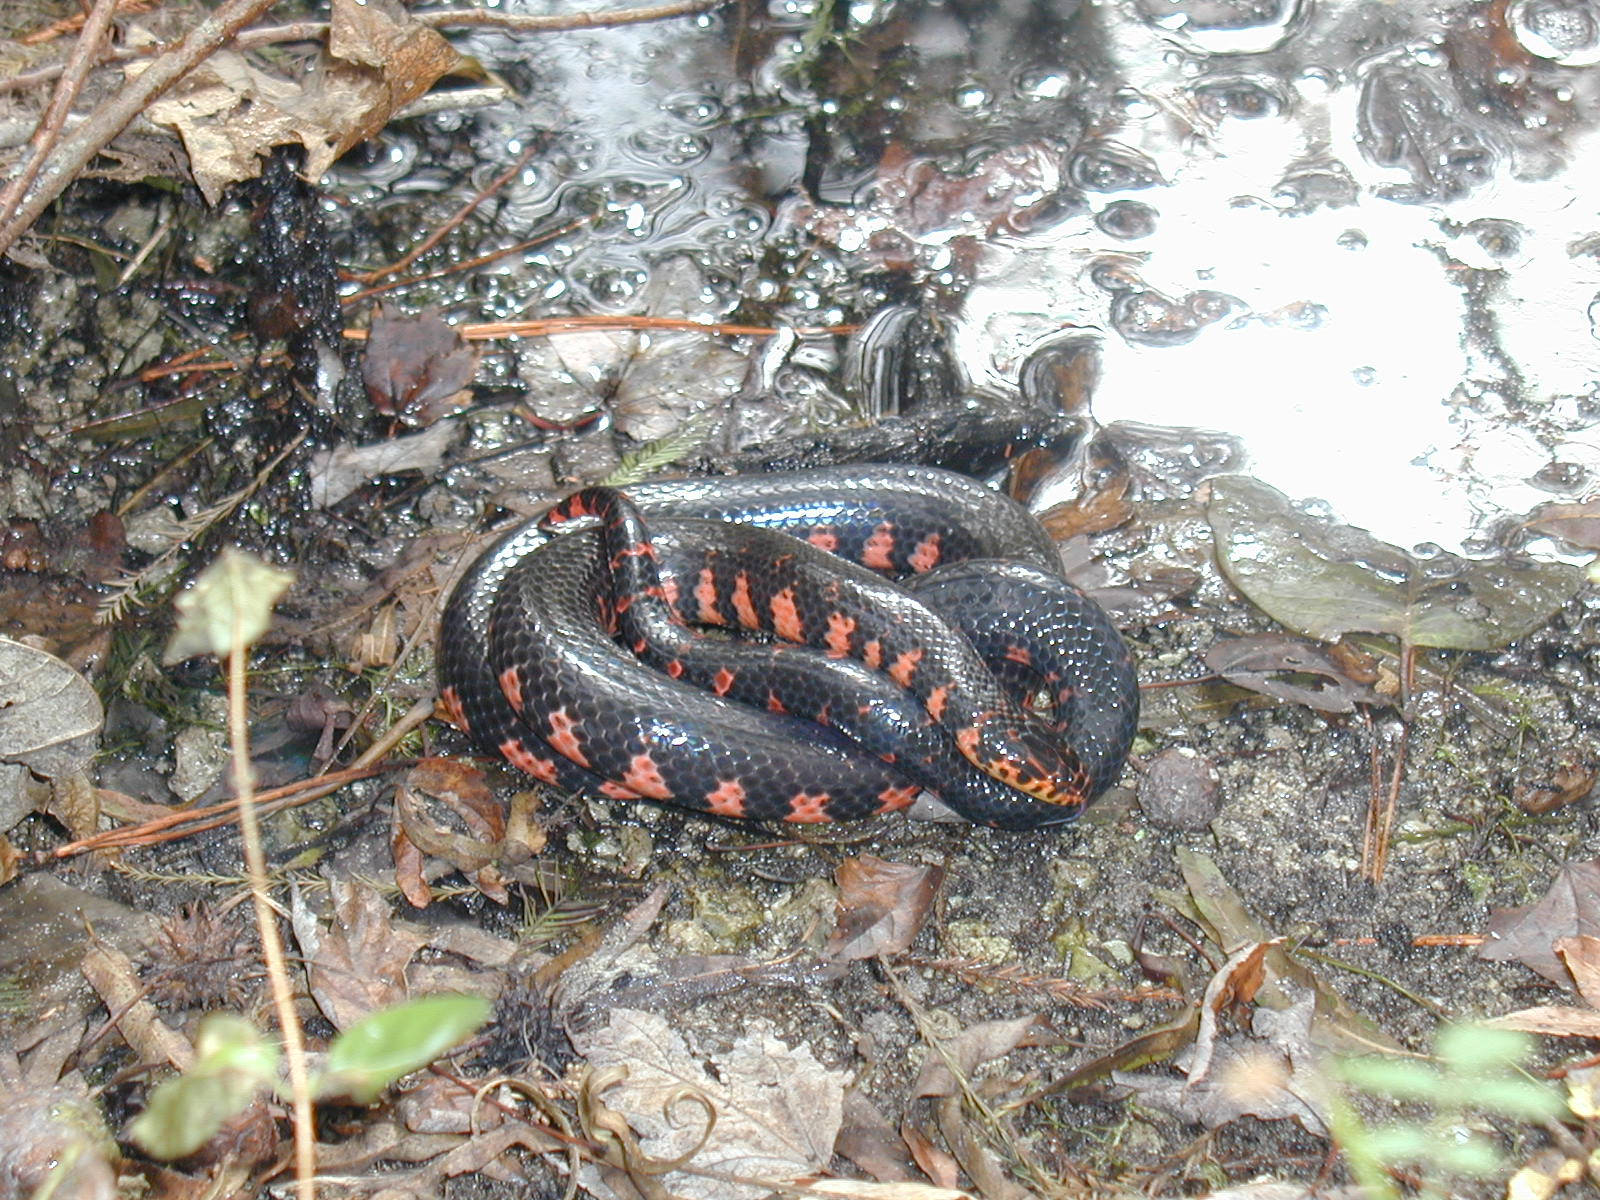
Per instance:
(1347,251)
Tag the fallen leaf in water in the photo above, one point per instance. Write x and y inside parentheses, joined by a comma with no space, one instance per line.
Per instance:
(417,368)
(1575,524)
(1325,580)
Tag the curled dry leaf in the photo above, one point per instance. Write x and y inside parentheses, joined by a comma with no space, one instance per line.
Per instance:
(440,797)
(230,114)
(776,1109)
(970,1049)
(1567,783)
(881,906)
(1289,669)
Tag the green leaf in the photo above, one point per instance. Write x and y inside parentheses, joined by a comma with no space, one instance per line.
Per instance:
(1394,1079)
(1325,580)
(1401,1143)
(1481,1050)
(378,1049)
(232,1063)
(1518,1098)
(233,595)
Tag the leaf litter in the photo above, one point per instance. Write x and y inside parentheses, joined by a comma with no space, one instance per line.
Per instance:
(919,203)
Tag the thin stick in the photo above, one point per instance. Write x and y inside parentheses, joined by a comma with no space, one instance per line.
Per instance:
(69,158)
(266,919)
(527,24)
(85,52)
(455,219)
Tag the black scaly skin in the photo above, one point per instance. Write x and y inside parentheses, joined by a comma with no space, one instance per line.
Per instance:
(763,581)
(891,511)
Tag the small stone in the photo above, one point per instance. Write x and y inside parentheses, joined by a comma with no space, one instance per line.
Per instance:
(1180,790)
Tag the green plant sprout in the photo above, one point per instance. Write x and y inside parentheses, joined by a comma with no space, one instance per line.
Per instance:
(1476,1072)
(234,1063)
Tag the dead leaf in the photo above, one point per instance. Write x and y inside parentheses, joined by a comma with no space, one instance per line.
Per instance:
(777,1109)
(1567,783)
(1289,669)
(1273,1074)
(1576,524)
(357,963)
(438,800)
(417,368)
(868,1140)
(230,115)
(50,716)
(1582,958)
(1338,1026)
(881,906)
(967,1051)
(1232,988)
(934,1162)
(338,472)
(912,201)
(1570,908)
(1556,1020)
(1095,511)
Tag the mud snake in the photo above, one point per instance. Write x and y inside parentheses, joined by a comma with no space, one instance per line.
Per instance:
(898,687)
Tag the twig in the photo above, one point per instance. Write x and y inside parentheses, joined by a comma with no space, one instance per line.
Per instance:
(85,53)
(69,24)
(455,219)
(294,1045)
(524,23)
(70,157)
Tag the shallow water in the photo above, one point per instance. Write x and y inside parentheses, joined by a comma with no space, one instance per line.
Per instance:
(1359,240)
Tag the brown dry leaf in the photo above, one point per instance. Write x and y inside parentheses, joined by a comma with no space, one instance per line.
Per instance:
(777,1108)
(1233,987)
(1575,524)
(1273,1074)
(111,974)
(1571,908)
(357,963)
(881,907)
(1567,783)
(1556,1020)
(1094,511)
(1291,669)
(866,1189)
(417,367)
(968,1141)
(1582,958)
(230,114)
(441,796)
(937,1164)
(868,1140)
(968,1050)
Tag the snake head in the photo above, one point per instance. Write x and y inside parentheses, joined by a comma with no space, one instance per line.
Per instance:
(1030,759)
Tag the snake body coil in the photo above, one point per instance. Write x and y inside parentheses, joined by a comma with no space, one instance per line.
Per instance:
(901,688)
